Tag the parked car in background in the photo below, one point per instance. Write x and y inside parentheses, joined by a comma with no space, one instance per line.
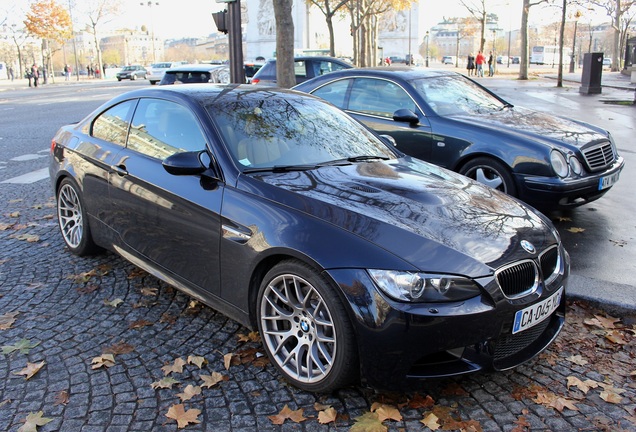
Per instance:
(132,72)
(445,118)
(196,74)
(515,60)
(156,70)
(449,60)
(502,59)
(305,68)
(286,214)
(607,62)
(249,69)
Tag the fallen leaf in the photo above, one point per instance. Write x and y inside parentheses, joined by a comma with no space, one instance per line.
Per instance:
(14,214)
(176,367)
(431,421)
(166,382)
(616,337)
(4,226)
(368,422)
(227,360)
(611,397)
(31,369)
(113,303)
(183,418)
(197,360)
(23,345)
(287,413)
(147,291)
(523,425)
(168,318)
(61,398)
(139,324)
(33,420)
(7,320)
(561,403)
(584,386)
(212,380)
(29,238)
(189,392)
(105,360)
(575,230)
(577,359)
(137,273)
(418,402)
(119,348)
(602,322)
(386,412)
(250,337)
(327,416)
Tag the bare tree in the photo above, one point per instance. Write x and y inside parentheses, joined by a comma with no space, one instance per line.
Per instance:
(525,12)
(99,12)
(285,75)
(616,10)
(477,8)
(329,9)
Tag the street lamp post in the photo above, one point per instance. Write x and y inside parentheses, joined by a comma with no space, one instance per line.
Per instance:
(426,48)
(152,27)
(577,15)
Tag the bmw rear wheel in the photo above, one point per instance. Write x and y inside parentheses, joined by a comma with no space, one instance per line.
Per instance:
(491,173)
(72,219)
(305,329)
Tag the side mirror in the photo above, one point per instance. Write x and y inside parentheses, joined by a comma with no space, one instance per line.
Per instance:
(187,163)
(406,116)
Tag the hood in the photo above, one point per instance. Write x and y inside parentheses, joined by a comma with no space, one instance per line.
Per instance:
(418,212)
(537,126)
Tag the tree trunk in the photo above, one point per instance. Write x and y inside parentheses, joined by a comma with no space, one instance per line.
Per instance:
(523,62)
(332,40)
(616,54)
(561,40)
(285,75)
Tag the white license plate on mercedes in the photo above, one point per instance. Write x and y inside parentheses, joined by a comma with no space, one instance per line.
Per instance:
(607,181)
(538,312)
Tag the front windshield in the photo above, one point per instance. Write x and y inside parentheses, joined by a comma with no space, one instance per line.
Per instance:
(450,95)
(264,130)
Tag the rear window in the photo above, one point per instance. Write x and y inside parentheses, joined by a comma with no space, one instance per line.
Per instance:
(161,65)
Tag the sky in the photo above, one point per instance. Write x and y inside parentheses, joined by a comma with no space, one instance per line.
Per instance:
(171,20)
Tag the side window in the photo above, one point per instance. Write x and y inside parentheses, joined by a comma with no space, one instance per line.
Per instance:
(324,67)
(161,128)
(334,92)
(379,97)
(112,125)
(300,69)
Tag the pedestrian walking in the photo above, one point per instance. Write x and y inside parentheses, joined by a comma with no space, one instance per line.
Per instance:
(480,60)
(470,64)
(491,65)
(67,72)
(11,73)
(35,74)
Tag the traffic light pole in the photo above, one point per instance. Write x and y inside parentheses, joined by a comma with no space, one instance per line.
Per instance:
(235,39)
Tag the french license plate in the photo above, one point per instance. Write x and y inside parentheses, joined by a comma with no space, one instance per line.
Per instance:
(607,181)
(538,312)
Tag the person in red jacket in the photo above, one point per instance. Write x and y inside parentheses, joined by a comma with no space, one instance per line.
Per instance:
(480,60)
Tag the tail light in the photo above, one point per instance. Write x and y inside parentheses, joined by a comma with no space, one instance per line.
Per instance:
(255,80)
(53,144)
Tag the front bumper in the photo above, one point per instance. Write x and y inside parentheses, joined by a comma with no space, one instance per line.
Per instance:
(555,192)
(400,343)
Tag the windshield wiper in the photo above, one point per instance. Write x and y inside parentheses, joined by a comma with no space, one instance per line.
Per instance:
(281,168)
(366,158)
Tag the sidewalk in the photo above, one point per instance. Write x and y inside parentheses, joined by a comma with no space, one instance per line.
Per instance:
(23,83)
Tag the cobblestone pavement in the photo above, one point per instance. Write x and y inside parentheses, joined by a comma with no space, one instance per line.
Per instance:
(62,315)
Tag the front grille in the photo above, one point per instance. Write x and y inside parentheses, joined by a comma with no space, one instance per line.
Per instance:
(549,262)
(510,344)
(518,279)
(599,156)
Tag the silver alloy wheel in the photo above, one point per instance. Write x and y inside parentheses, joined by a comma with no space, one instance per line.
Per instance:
(489,177)
(69,215)
(298,328)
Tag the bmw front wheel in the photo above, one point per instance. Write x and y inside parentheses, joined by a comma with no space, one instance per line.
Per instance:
(305,329)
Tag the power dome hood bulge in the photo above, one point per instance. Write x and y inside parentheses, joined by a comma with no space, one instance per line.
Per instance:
(416,211)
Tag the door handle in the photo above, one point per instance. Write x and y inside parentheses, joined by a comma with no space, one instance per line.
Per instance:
(119,169)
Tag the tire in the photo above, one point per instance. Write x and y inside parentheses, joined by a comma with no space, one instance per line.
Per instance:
(133,77)
(491,173)
(119,79)
(305,329)
(72,219)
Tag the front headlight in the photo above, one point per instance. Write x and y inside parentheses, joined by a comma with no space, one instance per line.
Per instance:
(559,164)
(422,287)
(575,165)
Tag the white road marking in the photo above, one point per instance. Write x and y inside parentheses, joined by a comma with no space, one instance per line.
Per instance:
(27,157)
(28,178)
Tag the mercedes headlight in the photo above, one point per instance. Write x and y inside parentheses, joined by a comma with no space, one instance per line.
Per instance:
(423,287)
(559,164)
(575,165)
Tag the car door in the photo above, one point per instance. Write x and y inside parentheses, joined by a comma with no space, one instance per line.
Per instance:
(373,101)
(171,221)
